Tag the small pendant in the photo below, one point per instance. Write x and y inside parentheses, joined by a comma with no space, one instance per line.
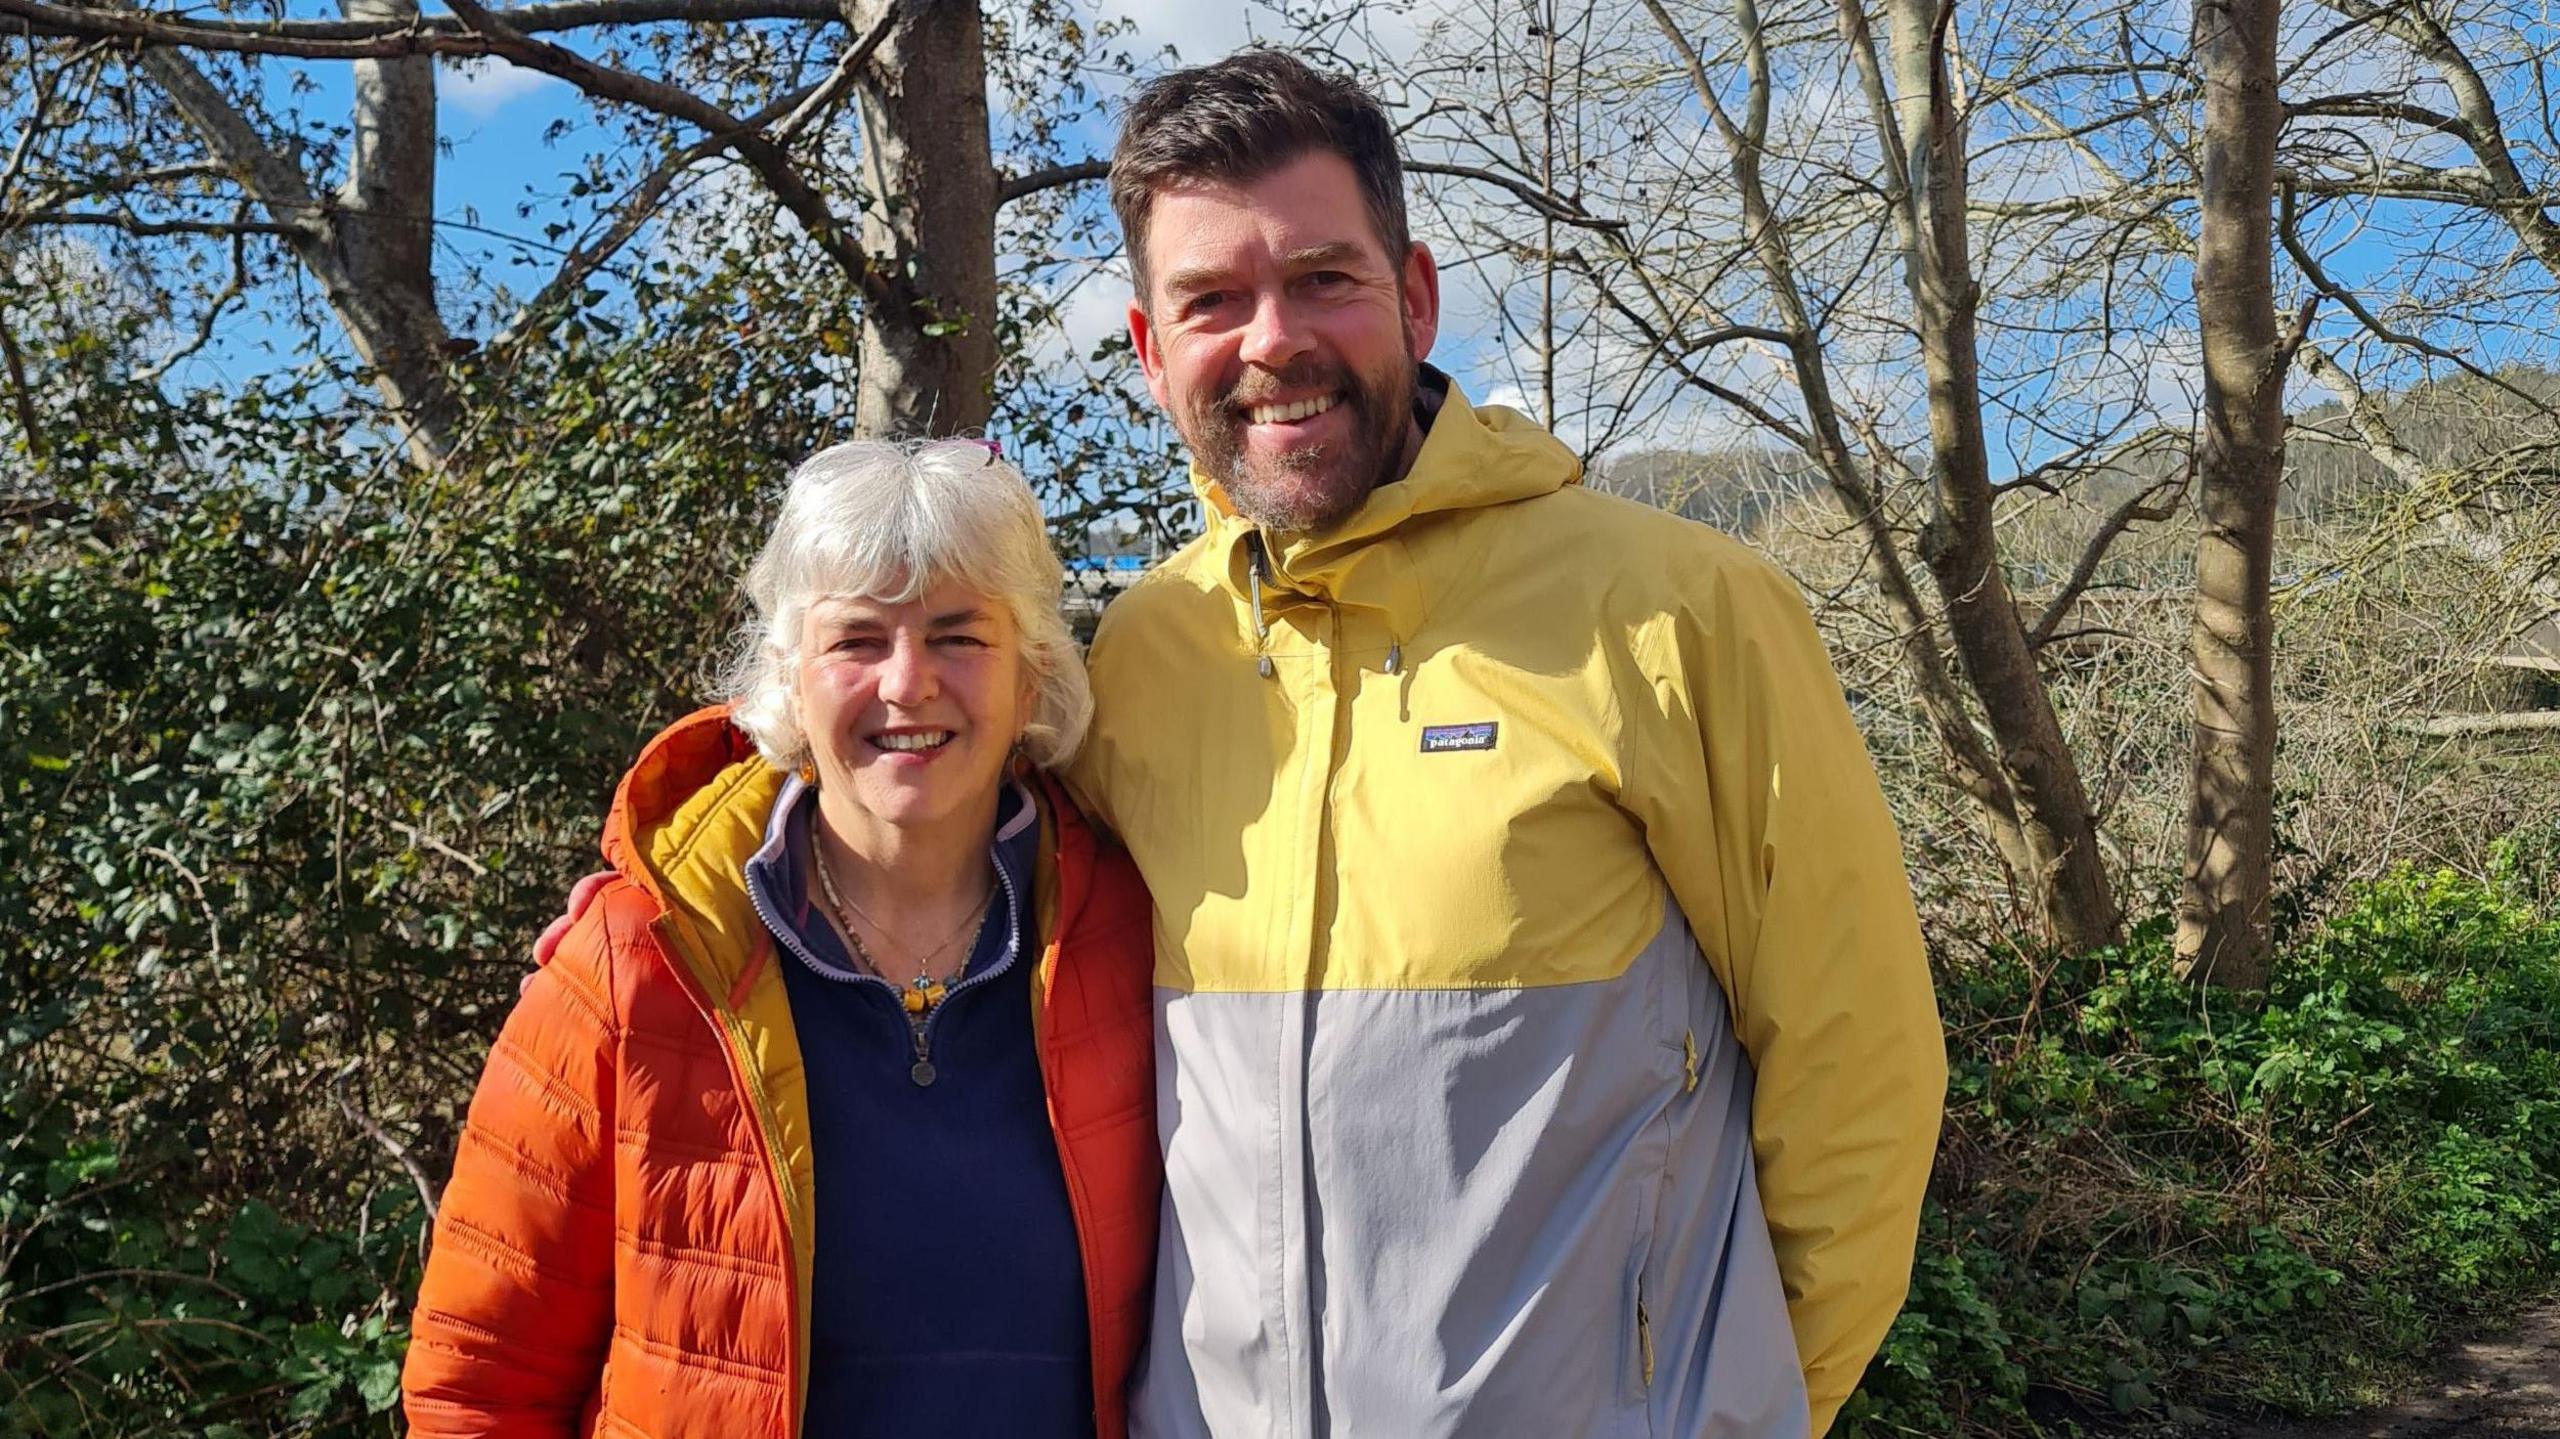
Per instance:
(914,1000)
(922,1074)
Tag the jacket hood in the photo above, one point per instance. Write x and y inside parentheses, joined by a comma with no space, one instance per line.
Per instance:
(686,817)
(1471,458)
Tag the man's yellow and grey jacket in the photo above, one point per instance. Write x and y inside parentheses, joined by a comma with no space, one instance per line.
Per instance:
(1545,1043)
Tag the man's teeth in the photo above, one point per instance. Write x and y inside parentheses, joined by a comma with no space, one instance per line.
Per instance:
(930,739)
(1282,414)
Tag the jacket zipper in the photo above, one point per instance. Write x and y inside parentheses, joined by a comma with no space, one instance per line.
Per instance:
(1079,1206)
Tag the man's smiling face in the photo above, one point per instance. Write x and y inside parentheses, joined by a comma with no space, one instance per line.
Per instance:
(1283,338)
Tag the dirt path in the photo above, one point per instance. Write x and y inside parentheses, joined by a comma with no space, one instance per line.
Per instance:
(2504,1388)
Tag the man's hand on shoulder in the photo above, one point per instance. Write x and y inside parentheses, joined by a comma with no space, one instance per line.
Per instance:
(582,894)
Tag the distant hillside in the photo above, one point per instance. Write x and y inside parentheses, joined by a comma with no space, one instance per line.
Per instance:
(2328,473)
(1733,489)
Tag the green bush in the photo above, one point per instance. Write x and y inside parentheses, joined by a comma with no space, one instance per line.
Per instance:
(299,748)
(2152,1202)
(135,1303)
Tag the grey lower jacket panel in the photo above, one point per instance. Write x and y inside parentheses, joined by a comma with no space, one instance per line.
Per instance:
(1415,1213)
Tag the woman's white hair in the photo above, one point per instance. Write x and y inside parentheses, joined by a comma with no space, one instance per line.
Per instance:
(885,521)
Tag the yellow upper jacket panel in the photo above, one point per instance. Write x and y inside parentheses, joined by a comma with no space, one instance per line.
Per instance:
(1461,1136)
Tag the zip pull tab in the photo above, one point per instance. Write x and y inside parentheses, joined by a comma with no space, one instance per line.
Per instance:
(922,1070)
(1395,656)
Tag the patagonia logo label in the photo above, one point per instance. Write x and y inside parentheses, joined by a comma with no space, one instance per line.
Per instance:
(1447,738)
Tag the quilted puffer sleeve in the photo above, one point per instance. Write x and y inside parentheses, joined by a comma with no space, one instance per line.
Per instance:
(517,1303)
(1764,814)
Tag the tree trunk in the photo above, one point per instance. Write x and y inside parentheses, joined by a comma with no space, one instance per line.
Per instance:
(929,222)
(1970,767)
(384,230)
(2223,935)
(371,247)
(1957,544)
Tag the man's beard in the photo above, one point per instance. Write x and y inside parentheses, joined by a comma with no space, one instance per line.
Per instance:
(1311,488)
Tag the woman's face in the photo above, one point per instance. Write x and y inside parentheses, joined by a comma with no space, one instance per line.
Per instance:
(911,708)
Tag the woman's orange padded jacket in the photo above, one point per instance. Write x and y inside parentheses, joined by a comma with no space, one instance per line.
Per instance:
(625,1245)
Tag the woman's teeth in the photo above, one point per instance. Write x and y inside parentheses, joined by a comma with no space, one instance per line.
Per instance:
(1282,414)
(929,739)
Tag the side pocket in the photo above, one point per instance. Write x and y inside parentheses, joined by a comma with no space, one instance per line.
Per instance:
(1635,1327)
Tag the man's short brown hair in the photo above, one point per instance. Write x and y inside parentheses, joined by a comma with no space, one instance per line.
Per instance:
(1238,120)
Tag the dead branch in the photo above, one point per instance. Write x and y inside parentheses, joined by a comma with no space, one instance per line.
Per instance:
(2465,726)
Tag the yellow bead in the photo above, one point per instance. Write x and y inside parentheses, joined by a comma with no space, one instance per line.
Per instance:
(915,1001)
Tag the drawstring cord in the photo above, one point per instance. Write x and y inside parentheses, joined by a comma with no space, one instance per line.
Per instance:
(1258,558)
(1261,628)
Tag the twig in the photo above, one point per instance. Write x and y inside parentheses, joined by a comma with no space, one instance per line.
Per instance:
(397,1150)
(478,870)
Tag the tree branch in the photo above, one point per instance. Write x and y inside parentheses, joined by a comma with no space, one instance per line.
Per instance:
(641,203)
(1054,176)
(2137,509)
(398,1151)
(780,175)
(380,40)
(239,285)
(19,396)
(135,225)
(2368,107)
(97,185)
(1561,209)
(237,148)
(2458,726)
(2289,236)
(784,117)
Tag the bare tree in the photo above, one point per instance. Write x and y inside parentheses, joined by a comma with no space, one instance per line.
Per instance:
(1928,165)
(2223,905)
(915,236)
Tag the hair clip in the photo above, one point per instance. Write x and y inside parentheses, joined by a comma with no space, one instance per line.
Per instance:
(994,448)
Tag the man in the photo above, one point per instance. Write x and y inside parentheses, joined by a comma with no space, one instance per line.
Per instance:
(1545,1041)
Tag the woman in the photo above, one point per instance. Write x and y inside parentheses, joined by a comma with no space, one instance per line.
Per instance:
(832,1114)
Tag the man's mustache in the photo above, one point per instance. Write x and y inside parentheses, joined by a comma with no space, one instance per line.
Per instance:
(1257,390)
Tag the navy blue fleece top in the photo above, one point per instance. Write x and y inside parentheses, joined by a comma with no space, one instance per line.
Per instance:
(948,1294)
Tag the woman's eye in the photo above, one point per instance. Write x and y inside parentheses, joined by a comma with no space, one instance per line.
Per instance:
(964,642)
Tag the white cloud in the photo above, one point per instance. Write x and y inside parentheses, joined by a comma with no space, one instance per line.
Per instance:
(1200,30)
(480,88)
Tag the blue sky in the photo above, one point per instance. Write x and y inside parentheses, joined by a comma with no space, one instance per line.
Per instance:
(493,119)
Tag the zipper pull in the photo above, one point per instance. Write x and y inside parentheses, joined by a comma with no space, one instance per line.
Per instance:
(922,1070)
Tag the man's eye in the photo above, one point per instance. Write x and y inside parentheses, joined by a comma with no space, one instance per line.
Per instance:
(1326,279)
(1204,302)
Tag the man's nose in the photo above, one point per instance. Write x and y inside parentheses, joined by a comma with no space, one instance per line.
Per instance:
(906,675)
(1276,334)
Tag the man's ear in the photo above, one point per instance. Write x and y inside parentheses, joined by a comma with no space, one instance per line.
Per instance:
(1142,338)
(1421,299)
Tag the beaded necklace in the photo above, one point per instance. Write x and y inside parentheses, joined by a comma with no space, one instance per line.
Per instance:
(919,996)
